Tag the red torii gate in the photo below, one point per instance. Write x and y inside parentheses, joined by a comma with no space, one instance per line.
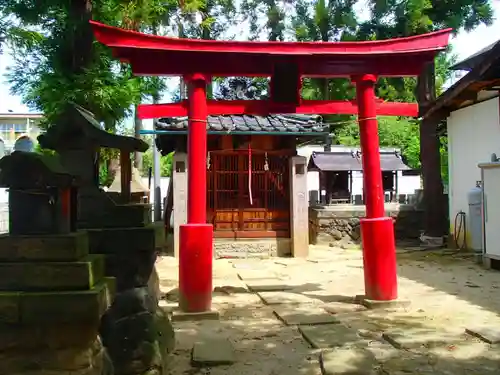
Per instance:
(286,63)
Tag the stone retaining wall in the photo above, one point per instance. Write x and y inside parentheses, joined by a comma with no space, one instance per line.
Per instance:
(340,224)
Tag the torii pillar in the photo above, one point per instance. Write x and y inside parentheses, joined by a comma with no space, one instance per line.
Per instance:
(196,237)
(377,230)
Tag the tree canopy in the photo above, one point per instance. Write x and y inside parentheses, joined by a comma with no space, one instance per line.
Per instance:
(57,61)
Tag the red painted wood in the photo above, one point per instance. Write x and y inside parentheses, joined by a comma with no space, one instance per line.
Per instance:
(379,259)
(156,55)
(197,150)
(116,37)
(368,136)
(168,63)
(195,267)
(264,108)
(379,250)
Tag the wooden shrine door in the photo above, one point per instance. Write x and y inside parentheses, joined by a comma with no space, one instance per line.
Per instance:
(238,209)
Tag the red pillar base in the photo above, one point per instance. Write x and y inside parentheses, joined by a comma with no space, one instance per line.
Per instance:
(379,259)
(195,267)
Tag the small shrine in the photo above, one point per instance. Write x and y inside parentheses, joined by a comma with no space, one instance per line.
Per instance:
(120,229)
(41,201)
(49,282)
(78,143)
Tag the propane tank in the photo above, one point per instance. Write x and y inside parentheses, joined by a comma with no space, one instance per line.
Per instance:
(475,230)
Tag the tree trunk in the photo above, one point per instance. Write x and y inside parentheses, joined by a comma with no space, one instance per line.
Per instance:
(80,36)
(433,198)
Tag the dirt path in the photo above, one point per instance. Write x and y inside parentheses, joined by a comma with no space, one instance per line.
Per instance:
(306,303)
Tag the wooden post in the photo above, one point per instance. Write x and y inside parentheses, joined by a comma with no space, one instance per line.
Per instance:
(126,175)
(377,231)
(195,237)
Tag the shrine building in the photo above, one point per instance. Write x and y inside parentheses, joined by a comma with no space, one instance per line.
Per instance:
(251,182)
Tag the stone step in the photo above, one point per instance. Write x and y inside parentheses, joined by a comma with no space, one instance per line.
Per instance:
(40,276)
(251,248)
(55,307)
(122,216)
(124,241)
(62,247)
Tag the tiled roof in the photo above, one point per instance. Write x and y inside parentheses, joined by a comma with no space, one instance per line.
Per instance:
(245,123)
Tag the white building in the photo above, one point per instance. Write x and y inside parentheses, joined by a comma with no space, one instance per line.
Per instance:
(22,127)
(345,160)
(472,112)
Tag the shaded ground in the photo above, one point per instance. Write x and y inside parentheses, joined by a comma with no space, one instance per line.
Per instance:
(448,294)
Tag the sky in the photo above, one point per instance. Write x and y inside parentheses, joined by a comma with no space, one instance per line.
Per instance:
(464,45)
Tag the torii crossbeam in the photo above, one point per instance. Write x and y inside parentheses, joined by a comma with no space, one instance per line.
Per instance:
(286,63)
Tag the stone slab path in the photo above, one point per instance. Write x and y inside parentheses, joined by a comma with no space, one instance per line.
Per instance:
(300,317)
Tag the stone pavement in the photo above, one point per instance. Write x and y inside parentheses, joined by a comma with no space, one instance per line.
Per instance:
(300,317)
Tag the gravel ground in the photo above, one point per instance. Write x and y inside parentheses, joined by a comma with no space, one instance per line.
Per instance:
(447,291)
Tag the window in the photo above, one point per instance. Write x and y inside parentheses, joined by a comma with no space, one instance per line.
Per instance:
(18,128)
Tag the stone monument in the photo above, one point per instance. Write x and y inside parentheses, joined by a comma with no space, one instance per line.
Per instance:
(136,332)
(53,292)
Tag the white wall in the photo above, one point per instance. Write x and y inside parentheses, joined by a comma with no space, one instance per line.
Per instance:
(473,135)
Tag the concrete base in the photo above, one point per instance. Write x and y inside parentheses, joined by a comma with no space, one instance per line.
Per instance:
(347,361)
(393,304)
(490,335)
(329,335)
(212,352)
(181,316)
(304,315)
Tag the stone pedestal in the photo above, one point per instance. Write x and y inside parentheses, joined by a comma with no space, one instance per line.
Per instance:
(53,294)
(137,334)
(299,230)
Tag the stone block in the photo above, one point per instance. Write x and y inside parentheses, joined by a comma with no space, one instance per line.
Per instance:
(490,335)
(19,337)
(130,269)
(256,274)
(10,303)
(303,315)
(343,307)
(329,336)
(347,361)
(212,352)
(122,216)
(124,241)
(61,247)
(411,339)
(86,358)
(268,285)
(276,298)
(111,285)
(182,316)
(394,304)
(39,276)
(64,306)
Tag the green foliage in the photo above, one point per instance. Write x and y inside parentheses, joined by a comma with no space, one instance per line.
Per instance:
(393,132)
(165,163)
(43,151)
(57,61)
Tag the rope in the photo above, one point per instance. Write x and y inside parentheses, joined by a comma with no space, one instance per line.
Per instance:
(250,174)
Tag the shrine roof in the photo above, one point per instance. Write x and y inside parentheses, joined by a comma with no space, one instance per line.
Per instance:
(157,55)
(273,124)
(480,83)
(351,161)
